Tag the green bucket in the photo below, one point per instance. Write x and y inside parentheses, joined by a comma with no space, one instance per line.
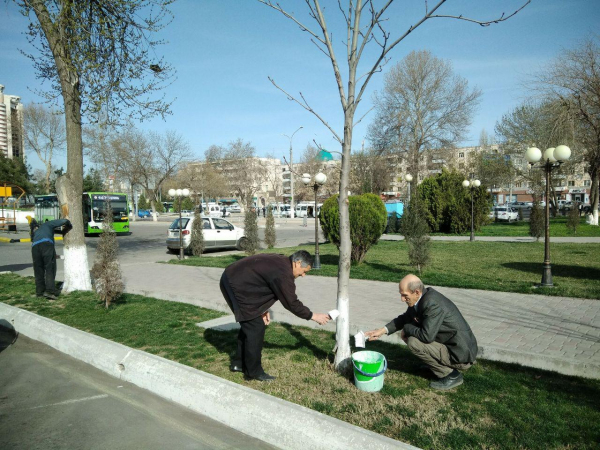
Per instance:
(369,369)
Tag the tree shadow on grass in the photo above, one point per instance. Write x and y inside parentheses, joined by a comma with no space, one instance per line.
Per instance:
(560,270)
(15,267)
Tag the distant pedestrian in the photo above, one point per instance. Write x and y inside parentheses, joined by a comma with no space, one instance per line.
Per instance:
(44,255)
(580,207)
(224,211)
(435,332)
(264,211)
(250,287)
(257,211)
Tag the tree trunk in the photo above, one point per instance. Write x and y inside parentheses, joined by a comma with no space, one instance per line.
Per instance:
(69,187)
(343,353)
(594,196)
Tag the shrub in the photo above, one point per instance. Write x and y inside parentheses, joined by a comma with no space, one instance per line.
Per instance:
(270,237)
(446,204)
(573,219)
(393,223)
(142,202)
(197,237)
(251,231)
(416,232)
(536,221)
(106,271)
(368,219)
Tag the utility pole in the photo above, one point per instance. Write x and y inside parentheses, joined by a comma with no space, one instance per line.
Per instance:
(292,209)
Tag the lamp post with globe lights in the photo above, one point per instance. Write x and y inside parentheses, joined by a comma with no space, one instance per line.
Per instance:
(408,177)
(551,159)
(180,193)
(472,185)
(320,180)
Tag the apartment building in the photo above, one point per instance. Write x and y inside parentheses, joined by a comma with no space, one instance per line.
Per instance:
(11,125)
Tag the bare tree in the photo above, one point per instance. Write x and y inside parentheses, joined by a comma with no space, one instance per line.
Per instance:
(363,24)
(423,105)
(45,135)
(203,179)
(372,171)
(530,124)
(243,170)
(99,57)
(573,78)
(164,156)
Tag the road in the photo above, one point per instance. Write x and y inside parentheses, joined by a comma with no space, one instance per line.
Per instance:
(49,400)
(147,243)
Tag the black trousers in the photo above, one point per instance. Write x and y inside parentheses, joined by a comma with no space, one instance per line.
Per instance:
(44,267)
(250,338)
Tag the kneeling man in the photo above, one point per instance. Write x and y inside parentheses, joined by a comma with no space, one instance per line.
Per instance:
(435,332)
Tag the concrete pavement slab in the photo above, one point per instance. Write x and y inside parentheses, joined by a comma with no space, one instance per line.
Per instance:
(509,327)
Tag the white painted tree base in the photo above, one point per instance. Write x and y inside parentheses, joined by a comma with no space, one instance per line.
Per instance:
(77,273)
(342,336)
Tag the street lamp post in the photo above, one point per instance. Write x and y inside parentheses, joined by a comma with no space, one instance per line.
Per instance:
(292,210)
(408,177)
(475,184)
(180,193)
(320,180)
(552,158)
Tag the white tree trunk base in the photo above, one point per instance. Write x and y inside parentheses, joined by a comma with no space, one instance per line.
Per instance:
(77,274)
(343,353)
(595,218)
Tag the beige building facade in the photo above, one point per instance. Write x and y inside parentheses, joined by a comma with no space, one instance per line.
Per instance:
(11,125)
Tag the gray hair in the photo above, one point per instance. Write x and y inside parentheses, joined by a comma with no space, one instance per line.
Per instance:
(415,285)
(303,256)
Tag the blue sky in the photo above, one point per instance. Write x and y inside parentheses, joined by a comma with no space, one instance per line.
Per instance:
(224,50)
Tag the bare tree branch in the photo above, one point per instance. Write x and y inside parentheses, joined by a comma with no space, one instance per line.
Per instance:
(306,106)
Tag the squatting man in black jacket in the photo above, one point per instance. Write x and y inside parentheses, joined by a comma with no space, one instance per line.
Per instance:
(250,287)
(435,332)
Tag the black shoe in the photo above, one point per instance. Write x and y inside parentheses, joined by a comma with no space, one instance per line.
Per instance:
(448,382)
(262,377)
(49,296)
(235,368)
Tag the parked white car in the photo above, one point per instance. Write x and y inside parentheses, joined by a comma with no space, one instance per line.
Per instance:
(217,232)
(234,208)
(504,213)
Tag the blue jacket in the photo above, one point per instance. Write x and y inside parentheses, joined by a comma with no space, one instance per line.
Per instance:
(45,233)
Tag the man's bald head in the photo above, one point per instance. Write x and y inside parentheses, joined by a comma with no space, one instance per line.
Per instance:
(411,288)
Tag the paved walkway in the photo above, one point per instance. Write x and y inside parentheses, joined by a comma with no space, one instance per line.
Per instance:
(556,333)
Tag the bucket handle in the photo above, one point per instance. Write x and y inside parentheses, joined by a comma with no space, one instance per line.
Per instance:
(372,375)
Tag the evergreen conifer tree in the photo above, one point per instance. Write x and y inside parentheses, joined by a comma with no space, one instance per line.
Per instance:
(251,231)
(536,220)
(416,232)
(106,271)
(573,219)
(197,238)
(270,236)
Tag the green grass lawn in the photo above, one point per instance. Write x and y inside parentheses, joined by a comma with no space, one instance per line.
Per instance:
(558,228)
(500,406)
(495,266)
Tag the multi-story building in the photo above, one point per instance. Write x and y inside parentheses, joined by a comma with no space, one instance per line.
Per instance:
(572,184)
(11,125)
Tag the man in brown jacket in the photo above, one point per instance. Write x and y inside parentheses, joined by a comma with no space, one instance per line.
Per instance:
(250,287)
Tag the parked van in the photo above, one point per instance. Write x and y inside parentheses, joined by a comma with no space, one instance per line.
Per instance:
(280,210)
(307,209)
(214,210)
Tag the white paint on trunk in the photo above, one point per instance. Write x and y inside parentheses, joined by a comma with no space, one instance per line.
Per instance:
(342,333)
(595,217)
(77,273)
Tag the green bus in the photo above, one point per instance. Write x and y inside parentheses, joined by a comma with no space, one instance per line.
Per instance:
(94,211)
(93,207)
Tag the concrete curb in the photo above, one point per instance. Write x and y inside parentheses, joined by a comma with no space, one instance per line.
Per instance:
(275,421)
(12,241)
